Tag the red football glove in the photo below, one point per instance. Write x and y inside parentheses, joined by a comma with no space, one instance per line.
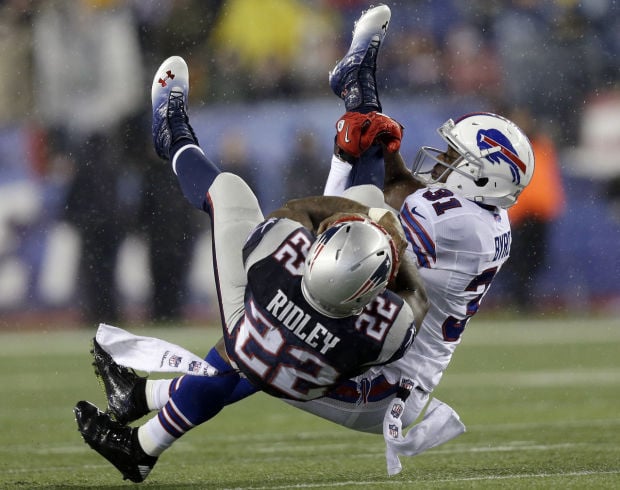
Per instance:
(356,132)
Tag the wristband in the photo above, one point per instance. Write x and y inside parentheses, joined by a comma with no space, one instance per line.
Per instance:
(344,156)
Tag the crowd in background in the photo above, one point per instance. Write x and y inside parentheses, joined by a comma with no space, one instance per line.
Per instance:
(75,73)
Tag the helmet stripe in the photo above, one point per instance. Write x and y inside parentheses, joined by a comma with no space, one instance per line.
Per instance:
(417,230)
(506,152)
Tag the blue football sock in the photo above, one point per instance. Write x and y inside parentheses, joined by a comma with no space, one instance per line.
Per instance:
(200,398)
(243,389)
(217,361)
(195,173)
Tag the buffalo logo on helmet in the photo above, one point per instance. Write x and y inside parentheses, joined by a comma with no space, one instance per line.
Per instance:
(501,150)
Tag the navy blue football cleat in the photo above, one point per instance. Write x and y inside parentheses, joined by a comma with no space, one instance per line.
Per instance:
(169,94)
(115,442)
(353,77)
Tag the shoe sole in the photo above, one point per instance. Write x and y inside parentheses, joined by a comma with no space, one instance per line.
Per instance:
(172,75)
(373,22)
(85,412)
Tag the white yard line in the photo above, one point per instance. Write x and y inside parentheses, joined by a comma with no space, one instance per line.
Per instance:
(414,483)
(533,379)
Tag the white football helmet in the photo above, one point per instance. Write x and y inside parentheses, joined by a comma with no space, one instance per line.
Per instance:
(348,265)
(496,159)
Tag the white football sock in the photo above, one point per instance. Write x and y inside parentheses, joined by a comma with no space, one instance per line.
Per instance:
(153,438)
(337,178)
(158,392)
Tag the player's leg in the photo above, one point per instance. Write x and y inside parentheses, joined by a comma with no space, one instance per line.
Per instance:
(232,205)
(130,397)
(134,450)
(194,400)
(234,213)
(361,403)
(353,79)
(173,136)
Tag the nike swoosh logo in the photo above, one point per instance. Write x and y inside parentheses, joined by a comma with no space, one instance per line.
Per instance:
(414,211)
(346,135)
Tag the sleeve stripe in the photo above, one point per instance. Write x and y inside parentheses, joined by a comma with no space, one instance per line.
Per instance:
(422,244)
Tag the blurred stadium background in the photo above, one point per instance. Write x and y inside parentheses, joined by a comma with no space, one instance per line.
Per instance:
(92,226)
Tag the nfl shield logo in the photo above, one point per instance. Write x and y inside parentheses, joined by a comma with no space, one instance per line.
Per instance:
(175,360)
(397,410)
(194,366)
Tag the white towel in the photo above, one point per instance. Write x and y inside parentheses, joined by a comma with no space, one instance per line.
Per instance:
(439,425)
(150,354)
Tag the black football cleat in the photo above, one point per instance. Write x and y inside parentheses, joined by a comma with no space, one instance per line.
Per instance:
(124,389)
(115,442)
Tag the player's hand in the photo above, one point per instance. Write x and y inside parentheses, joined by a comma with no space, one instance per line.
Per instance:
(356,132)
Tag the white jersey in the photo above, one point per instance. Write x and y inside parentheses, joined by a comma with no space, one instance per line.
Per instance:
(459,246)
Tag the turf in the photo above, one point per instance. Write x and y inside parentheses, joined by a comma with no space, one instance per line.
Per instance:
(541,401)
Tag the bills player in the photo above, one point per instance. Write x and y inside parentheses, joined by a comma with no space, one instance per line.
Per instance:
(453,210)
(302,297)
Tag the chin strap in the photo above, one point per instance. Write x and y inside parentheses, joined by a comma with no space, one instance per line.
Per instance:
(439,425)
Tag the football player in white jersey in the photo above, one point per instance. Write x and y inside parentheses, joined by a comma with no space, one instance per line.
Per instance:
(453,211)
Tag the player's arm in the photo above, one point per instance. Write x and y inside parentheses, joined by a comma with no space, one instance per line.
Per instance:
(314,210)
(408,284)
(319,212)
(399,181)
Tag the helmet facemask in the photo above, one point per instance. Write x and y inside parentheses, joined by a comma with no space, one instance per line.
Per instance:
(425,166)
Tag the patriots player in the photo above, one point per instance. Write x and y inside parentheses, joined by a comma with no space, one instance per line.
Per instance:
(302,296)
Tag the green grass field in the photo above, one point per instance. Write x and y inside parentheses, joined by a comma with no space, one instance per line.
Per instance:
(541,401)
